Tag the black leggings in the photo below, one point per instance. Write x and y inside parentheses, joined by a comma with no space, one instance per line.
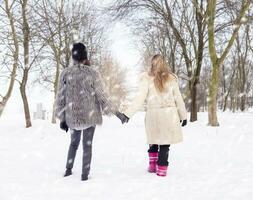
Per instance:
(163,153)
(87,148)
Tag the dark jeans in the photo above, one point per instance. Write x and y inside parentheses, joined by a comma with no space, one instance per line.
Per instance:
(87,148)
(163,153)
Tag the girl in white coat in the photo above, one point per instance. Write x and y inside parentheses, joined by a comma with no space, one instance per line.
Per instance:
(165,109)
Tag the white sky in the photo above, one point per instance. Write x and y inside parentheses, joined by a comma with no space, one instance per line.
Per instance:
(123,47)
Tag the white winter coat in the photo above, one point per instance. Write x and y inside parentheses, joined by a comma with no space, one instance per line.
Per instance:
(163,111)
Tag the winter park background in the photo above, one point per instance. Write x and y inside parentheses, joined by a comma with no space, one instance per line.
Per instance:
(208,44)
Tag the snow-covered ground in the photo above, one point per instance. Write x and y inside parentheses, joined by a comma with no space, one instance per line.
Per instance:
(211,163)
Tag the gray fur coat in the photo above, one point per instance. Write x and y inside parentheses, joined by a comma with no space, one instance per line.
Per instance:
(81,97)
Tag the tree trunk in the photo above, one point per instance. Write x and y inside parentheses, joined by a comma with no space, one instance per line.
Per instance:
(200,52)
(242,81)
(2,105)
(233,104)
(237,103)
(225,103)
(213,87)
(212,99)
(53,114)
(194,108)
(57,52)
(5,99)
(57,74)
(228,91)
(24,98)
(242,105)
(26,68)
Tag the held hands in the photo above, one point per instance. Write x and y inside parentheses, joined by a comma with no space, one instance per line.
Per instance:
(123,118)
(64,126)
(184,122)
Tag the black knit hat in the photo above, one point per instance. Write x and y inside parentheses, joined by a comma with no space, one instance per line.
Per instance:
(79,52)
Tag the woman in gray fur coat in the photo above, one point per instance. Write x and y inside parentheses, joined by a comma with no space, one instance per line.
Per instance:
(80,101)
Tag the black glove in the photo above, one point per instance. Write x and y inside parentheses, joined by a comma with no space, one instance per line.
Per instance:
(64,126)
(123,118)
(184,122)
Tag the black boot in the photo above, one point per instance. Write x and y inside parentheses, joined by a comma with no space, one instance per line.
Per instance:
(68,172)
(84,177)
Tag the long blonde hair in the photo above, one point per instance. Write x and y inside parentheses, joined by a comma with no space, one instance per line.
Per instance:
(160,71)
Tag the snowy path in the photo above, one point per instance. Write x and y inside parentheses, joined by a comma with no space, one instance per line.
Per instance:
(211,163)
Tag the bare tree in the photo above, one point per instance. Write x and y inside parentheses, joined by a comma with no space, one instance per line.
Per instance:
(13,45)
(31,51)
(26,67)
(51,31)
(23,33)
(216,59)
(242,44)
(62,23)
(227,87)
(114,78)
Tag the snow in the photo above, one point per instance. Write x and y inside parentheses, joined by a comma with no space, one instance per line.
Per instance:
(211,163)
(244,20)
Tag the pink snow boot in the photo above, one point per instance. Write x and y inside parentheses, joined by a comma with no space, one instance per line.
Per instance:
(153,157)
(161,170)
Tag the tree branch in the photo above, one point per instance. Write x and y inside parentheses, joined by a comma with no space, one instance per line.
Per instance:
(238,24)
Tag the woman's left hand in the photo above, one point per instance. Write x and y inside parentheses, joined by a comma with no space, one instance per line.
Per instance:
(184,123)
